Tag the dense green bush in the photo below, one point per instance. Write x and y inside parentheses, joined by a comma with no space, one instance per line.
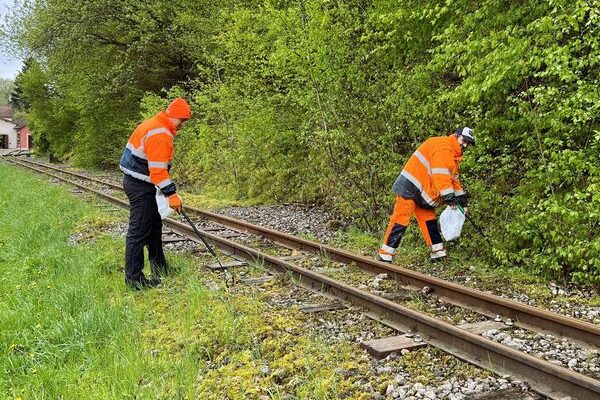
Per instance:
(324,100)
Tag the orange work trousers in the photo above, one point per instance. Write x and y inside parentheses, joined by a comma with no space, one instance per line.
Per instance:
(404,209)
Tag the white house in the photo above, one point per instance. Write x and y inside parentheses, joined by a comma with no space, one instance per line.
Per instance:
(8,132)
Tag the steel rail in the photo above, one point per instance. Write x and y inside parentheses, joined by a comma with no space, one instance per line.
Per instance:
(545,378)
(523,315)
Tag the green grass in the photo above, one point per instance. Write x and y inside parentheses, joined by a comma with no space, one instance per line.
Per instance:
(69,328)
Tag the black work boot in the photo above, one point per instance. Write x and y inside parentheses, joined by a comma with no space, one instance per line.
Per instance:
(143,283)
(159,270)
(154,282)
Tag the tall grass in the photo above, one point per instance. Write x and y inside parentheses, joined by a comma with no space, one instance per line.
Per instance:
(69,328)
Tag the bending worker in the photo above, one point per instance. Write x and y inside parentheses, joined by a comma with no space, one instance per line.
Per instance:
(429,179)
(146,162)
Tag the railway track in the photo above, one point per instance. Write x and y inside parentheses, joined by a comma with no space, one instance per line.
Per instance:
(524,316)
(544,377)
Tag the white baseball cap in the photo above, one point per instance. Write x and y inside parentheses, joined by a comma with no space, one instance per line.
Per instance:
(467,134)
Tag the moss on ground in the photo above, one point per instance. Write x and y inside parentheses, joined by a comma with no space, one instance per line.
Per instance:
(428,366)
(70,328)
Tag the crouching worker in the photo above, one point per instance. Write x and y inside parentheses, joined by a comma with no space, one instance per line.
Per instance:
(429,179)
(146,162)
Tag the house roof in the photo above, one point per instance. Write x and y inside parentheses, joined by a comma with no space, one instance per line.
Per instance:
(6,112)
(20,123)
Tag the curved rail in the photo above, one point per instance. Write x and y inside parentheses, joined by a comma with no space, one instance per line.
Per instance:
(524,316)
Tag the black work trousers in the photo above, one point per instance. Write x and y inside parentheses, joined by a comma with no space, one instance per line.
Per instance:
(145,229)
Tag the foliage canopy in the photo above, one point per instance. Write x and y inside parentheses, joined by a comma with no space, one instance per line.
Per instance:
(324,100)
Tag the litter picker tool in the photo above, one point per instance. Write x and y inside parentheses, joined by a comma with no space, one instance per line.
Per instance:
(477,227)
(229,281)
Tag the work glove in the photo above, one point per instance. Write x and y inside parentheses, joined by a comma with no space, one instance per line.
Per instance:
(463,200)
(175,202)
(450,199)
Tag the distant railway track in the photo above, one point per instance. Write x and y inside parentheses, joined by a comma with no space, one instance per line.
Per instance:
(544,377)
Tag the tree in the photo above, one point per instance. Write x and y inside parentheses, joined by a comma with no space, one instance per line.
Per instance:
(307,100)
(6,87)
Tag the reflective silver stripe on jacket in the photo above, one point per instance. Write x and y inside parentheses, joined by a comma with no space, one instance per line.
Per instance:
(156,131)
(423,160)
(135,174)
(388,249)
(164,183)
(415,182)
(441,171)
(446,191)
(141,151)
(158,164)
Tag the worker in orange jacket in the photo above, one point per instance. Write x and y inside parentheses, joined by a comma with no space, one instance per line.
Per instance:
(429,179)
(146,162)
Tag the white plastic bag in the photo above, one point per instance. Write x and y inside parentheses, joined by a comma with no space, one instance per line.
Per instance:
(451,222)
(163,204)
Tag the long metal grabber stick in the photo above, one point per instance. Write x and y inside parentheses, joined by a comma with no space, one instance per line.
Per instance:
(228,277)
(208,246)
(477,228)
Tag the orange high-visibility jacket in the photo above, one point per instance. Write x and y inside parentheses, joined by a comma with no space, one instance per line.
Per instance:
(149,152)
(431,172)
